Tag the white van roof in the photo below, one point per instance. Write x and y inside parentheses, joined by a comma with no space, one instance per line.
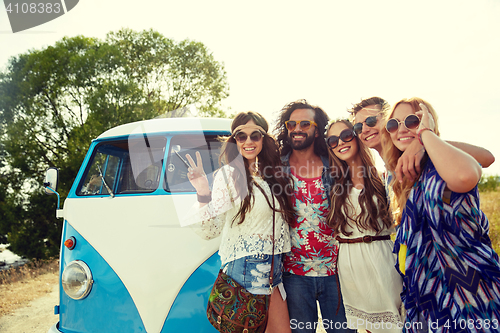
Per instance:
(169,125)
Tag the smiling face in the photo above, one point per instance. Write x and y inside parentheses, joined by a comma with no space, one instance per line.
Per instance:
(403,136)
(369,136)
(299,138)
(345,151)
(249,149)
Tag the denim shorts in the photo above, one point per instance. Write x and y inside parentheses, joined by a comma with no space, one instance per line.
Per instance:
(252,272)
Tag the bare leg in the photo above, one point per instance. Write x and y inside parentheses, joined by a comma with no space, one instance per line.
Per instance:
(279,320)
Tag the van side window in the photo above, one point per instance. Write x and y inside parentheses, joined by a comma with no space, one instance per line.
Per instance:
(128,166)
(176,171)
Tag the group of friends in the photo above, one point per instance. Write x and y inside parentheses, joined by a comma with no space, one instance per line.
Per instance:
(334,214)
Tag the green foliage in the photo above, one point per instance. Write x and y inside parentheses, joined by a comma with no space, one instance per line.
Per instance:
(54,101)
(37,233)
(7,210)
(489,183)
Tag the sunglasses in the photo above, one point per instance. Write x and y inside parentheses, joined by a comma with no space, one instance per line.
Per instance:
(346,136)
(242,137)
(304,124)
(369,121)
(411,122)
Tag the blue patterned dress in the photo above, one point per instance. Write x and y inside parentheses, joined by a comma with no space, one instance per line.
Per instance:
(451,274)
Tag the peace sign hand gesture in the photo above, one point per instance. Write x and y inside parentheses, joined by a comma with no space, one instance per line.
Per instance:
(197,176)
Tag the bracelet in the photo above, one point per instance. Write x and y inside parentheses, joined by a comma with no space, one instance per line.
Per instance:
(419,134)
(204,198)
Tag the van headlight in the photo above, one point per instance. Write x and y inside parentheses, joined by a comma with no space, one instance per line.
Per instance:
(77,279)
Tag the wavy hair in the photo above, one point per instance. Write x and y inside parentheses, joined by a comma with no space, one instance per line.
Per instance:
(384,106)
(320,118)
(269,165)
(391,154)
(371,209)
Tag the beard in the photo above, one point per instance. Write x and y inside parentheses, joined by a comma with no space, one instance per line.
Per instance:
(308,141)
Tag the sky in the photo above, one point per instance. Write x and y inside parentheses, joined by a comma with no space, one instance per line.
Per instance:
(332,53)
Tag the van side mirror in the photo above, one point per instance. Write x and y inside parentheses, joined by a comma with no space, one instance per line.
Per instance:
(51,180)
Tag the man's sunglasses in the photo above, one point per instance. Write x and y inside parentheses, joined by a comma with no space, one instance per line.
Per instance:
(241,137)
(346,136)
(411,122)
(369,121)
(304,124)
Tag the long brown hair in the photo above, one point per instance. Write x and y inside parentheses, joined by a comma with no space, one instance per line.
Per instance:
(320,118)
(371,210)
(391,154)
(270,168)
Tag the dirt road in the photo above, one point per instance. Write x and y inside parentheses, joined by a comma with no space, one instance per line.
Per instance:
(37,317)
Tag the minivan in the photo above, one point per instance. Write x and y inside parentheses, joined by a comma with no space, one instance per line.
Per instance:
(126,264)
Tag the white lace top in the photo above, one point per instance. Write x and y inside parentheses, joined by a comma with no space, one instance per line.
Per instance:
(254,234)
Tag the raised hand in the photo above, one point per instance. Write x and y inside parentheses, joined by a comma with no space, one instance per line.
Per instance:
(197,176)
(409,162)
(426,119)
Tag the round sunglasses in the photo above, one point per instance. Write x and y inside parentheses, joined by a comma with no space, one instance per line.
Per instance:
(242,137)
(411,122)
(369,121)
(304,124)
(346,136)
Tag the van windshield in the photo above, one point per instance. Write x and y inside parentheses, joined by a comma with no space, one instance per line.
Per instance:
(135,165)
(128,166)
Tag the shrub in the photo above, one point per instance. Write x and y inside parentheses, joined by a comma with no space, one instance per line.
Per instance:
(30,270)
(489,183)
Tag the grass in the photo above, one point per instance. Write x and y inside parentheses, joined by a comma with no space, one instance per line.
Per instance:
(28,271)
(490,205)
(20,285)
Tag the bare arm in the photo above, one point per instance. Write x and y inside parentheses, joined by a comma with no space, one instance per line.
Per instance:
(481,155)
(459,170)
(409,162)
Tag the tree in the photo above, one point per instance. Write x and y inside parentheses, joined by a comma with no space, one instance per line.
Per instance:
(8,210)
(55,100)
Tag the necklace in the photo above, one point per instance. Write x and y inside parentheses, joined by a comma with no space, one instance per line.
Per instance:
(256,173)
(255,168)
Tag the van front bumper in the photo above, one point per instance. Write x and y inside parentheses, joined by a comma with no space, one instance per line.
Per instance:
(54,329)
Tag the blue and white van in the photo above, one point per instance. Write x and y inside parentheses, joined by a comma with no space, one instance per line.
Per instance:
(126,265)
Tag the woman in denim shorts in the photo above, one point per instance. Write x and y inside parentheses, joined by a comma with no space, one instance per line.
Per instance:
(248,192)
(252,272)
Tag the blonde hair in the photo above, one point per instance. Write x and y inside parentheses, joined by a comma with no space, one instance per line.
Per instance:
(391,155)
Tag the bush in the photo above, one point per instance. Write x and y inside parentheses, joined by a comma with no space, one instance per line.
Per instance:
(489,183)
